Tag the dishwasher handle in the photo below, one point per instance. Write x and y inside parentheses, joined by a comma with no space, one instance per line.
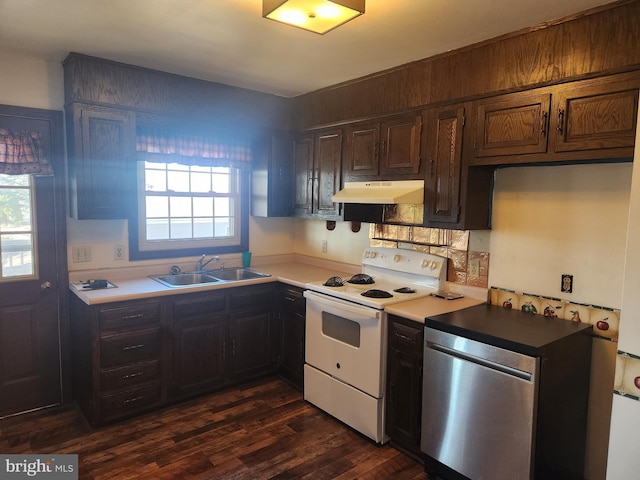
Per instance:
(514,372)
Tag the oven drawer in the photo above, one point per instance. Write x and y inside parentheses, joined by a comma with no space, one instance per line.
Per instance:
(351,406)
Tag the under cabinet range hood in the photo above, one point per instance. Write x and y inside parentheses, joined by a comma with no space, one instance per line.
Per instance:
(387,193)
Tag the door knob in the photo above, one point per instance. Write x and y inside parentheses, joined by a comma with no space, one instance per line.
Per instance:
(46,287)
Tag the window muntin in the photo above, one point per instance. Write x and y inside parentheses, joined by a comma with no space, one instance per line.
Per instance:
(17,227)
(182,206)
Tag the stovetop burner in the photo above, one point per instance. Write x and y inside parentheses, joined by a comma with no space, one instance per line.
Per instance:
(361,279)
(405,290)
(334,282)
(375,293)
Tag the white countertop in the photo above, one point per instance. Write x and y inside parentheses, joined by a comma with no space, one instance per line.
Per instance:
(420,308)
(291,269)
(294,270)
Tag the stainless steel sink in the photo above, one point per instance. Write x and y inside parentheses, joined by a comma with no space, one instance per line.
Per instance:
(236,274)
(185,279)
(209,276)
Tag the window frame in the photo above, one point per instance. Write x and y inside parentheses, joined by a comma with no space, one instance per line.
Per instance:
(135,253)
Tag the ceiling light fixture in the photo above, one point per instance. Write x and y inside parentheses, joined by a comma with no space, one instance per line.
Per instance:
(318,16)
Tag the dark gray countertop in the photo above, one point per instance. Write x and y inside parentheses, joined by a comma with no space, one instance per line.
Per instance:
(515,330)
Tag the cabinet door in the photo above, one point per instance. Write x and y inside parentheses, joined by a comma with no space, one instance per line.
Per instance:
(513,124)
(304,174)
(404,384)
(400,149)
(443,150)
(361,151)
(198,354)
(292,331)
(327,165)
(596,115)
(252,351)
(272,177)
(101,164)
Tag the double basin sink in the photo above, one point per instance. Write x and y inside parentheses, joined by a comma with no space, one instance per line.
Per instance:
(189,279)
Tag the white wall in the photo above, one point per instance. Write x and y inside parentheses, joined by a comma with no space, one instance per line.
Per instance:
(624,461)
(30,81)
(343,245)
(561,219)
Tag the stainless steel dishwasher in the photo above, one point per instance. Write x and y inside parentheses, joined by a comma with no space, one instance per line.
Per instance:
(504,395)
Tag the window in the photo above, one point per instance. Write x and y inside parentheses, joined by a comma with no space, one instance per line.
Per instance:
(191,198)
(16,227)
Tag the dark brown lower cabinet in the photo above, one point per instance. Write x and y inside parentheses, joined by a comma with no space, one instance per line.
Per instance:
(292,330)
(404,384)
(198,354)
(118,358)
(134,356)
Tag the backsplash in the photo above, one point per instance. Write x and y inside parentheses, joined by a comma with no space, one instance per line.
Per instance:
(403,228)
(605,321)
(627,380)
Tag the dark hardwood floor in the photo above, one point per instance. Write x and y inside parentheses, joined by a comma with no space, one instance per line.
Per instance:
(259,431)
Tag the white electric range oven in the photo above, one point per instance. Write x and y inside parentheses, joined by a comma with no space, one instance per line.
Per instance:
(346,333)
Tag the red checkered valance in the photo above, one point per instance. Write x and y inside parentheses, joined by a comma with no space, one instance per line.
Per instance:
(22,153)
(156,145)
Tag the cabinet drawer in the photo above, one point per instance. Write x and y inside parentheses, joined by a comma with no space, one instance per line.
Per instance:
(130,400)
(248,297)
(121,377)
(292,301)
(129,316)
(405,335)
(199,304)
(129,347)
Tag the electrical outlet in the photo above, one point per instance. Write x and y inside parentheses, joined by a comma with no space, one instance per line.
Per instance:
(81,253)
(566,283)
(118,252)
(474,268)
(324,246)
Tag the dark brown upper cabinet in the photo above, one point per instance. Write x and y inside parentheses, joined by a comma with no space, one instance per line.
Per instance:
(597,115)
(303,174)
(101,161)
(272,176)
(578,121)
(317,164)
(514,124)
(383,149)
(456,195)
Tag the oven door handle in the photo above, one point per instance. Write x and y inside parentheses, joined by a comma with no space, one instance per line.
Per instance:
(342,305)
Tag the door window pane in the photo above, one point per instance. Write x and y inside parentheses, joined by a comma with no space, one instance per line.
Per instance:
(16,227)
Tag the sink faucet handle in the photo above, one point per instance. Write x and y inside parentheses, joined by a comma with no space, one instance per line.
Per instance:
(175,269)
(201,263)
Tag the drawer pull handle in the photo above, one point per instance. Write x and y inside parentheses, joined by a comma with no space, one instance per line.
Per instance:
(404,337)
(133,347)
(137,316)
(289,299)
(133,375)
(134,399)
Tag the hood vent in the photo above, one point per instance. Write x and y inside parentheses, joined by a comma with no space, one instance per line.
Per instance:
(392,192)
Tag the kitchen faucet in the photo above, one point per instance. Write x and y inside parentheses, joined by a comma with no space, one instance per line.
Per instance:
(200,264)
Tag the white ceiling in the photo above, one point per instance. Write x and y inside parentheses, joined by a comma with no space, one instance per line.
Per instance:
(228,41)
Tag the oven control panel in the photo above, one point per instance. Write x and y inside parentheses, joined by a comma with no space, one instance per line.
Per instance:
(390,261)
